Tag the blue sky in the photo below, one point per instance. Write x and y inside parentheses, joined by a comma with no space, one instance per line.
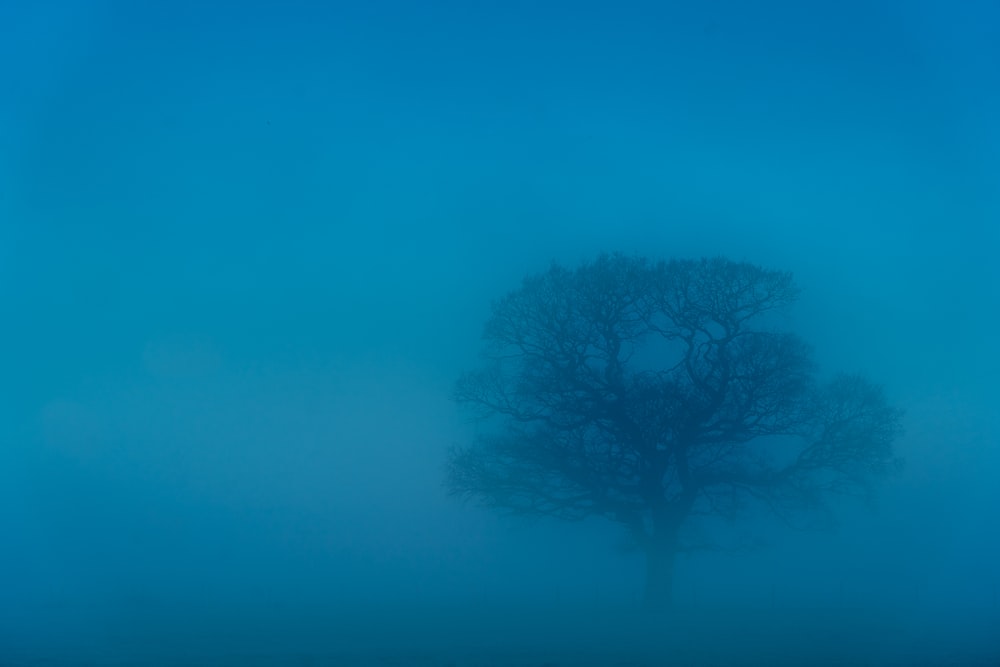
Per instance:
(245,248)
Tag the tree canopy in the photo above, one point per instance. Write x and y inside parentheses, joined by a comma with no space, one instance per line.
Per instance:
(659,393)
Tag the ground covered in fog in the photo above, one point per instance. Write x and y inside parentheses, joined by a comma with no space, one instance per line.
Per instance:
(537,637)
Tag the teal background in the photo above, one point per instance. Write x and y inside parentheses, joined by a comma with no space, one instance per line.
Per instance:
(246,247)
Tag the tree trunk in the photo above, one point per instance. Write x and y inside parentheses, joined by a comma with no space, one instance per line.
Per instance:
(659,591)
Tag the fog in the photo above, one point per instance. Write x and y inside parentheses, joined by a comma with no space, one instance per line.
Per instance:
(246,249)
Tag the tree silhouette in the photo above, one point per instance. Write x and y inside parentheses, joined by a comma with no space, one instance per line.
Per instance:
(656,394)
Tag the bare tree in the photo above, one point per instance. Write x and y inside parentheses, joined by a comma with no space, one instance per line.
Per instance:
(654,394)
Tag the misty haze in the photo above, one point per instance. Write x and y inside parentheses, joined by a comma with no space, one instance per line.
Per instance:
(509,334)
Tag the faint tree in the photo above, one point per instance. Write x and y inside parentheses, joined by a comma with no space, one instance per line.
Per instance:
(655,394)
